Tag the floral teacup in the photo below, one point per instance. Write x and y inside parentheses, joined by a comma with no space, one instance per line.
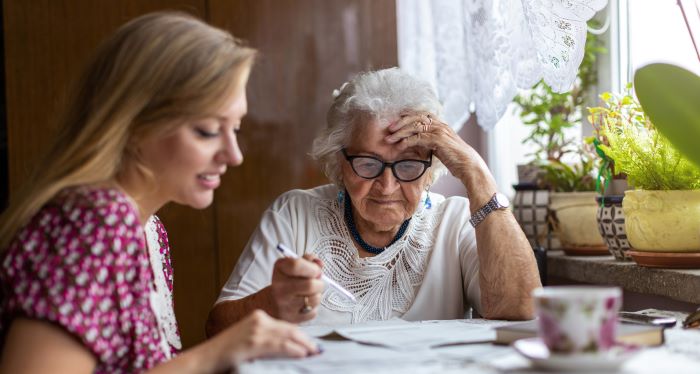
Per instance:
(577,319)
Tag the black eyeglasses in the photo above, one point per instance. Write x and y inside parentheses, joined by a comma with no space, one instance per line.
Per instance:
(369,167)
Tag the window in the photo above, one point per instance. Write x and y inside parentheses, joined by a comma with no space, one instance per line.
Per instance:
(655,31)
(640,32)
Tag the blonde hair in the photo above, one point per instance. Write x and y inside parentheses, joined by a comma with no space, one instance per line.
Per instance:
(380,95)
(153,74)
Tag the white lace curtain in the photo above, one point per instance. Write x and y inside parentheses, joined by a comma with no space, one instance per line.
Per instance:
(478,53)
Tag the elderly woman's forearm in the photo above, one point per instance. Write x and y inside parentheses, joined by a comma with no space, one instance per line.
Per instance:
(226,313)
(508,271)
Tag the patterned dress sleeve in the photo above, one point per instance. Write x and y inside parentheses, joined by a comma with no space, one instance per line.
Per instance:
(81,263)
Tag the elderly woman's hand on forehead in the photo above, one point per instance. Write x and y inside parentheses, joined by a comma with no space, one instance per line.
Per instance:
(424,129)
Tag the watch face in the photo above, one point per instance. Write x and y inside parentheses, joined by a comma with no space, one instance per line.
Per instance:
(502,200)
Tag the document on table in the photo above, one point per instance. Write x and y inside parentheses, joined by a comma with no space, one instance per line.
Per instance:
(417,335)
(394,346)
(341,357)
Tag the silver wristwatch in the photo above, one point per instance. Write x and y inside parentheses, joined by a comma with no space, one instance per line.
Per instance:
(498,201)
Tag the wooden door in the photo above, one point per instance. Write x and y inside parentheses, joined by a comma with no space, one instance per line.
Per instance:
(307,49)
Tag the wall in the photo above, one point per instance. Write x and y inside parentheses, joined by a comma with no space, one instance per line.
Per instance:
(4,181)
(307,48)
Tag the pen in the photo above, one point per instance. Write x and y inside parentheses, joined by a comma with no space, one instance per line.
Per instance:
(288,253)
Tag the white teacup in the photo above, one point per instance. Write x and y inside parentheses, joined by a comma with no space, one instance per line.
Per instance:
(577,319)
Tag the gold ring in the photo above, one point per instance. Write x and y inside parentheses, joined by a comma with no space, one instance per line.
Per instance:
(306,308)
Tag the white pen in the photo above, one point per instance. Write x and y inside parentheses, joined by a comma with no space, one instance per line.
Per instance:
(288,253)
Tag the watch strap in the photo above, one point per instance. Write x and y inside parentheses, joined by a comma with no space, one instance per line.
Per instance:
(485,210)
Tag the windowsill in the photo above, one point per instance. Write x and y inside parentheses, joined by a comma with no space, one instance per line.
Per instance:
(675,284)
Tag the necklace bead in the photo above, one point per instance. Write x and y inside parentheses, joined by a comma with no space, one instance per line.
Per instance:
(350,221)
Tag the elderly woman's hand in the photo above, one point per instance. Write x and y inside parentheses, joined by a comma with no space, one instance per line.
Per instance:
(424,129)
(296,288)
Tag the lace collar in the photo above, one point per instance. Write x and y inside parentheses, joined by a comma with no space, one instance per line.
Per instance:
(384,284)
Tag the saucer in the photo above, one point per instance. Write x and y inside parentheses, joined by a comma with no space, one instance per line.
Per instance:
(590,250)
(673,260)
(537,352)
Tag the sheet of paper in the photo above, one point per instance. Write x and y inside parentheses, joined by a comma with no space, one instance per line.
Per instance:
(415,335)
(394,346)
(341,357)
(318,331)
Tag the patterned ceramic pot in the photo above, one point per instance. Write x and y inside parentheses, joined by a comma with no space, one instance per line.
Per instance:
(530,208)
(577,319)
(663,221)
(611,225)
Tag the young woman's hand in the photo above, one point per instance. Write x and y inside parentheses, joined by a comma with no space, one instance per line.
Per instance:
(256,336)
(259,335)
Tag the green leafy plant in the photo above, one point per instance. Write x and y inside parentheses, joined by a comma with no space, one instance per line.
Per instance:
(617,111)
(549,115)
(632,145)
(578,176)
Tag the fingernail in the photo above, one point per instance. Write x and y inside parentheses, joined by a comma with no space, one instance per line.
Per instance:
(389,139)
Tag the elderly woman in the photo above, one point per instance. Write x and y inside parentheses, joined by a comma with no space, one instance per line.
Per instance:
(378,231)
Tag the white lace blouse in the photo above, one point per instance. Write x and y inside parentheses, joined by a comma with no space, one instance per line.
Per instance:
(432,272)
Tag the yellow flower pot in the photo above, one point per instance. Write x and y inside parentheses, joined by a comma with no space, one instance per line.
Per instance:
(574,216)
(663,221)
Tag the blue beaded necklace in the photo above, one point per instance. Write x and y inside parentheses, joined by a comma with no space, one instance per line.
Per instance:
(350,221)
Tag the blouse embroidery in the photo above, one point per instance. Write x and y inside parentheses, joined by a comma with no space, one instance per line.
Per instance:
(384,284)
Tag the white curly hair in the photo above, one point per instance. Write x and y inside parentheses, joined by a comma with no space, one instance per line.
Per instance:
(376,95)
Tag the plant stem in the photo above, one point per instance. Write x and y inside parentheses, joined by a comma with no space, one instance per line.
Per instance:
(685,18)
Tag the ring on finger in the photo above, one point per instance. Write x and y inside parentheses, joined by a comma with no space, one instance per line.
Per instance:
(306,308)
(425,127)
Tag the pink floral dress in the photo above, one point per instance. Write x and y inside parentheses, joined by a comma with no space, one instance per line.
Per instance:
(83,263)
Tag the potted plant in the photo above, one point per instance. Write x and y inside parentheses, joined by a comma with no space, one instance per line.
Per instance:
(661,213)
(618,111)
(572,204)
(563,166)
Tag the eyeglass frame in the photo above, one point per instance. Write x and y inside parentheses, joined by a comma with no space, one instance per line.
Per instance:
(427,165)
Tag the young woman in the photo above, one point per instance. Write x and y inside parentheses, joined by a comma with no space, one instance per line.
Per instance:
(85,265)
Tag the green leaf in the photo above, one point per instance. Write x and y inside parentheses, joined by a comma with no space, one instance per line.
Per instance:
(670,95)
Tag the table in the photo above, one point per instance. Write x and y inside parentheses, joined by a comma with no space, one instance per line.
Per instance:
(680,354)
